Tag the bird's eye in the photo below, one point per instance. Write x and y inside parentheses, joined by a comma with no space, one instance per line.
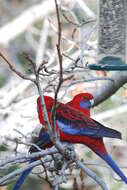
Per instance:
(85,99)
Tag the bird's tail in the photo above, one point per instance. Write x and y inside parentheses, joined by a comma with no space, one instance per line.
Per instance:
(113,165)
(22,177)
(107,132)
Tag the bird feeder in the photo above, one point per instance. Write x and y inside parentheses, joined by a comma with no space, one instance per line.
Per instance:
(112,36)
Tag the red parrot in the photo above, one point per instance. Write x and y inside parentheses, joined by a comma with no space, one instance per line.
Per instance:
(77,127)
(81,101)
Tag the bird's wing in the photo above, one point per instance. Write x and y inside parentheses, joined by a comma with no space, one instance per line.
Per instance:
(73,122)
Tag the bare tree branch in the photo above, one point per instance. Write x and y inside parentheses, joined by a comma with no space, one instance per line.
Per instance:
(12,68)
(57,77)
(109,87)
(92,175)
(53,113)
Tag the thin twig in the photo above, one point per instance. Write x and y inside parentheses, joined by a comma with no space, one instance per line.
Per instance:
(37,83)
(45,114)
(12,68)
(92,175)
(45,170)
(53,112)
(76,24)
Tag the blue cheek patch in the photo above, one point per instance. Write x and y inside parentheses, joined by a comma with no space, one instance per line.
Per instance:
(85,104)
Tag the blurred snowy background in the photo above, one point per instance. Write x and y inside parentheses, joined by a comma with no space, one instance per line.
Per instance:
(31,26)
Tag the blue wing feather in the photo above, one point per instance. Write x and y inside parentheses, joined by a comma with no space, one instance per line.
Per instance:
(71,129)
(82,127)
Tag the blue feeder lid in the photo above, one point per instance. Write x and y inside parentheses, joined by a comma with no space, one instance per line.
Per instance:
(109,63)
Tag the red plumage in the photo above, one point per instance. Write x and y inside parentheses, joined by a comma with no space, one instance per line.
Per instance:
(75,102)
(75,126)
(78,120)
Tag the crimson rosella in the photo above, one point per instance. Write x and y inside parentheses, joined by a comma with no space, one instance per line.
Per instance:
(81,101)
(77,127)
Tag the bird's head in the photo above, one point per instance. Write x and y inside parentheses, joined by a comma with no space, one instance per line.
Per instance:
(43,141)
(84,100)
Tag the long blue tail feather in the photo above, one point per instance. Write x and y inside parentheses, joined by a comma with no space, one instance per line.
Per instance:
(113,165)
(22,177)
(43,141)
